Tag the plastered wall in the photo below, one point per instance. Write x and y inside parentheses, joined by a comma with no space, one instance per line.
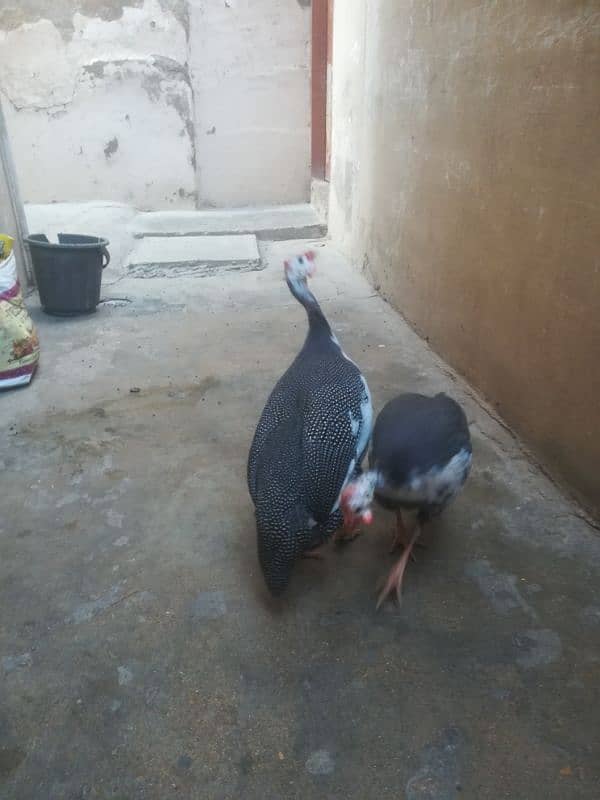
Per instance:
(466,182)
(158,103)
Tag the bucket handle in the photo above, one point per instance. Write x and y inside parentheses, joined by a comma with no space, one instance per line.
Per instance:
(106,255)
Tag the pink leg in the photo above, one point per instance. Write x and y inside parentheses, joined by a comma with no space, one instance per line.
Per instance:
(394,581)
(401,539)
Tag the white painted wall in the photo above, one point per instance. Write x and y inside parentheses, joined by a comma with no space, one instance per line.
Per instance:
(158,103)
(250,72)
(347,195)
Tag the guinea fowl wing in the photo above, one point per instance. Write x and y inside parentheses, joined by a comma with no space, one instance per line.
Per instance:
(334,438)
(277,474)
(414,433)
(281,514)
(279,407)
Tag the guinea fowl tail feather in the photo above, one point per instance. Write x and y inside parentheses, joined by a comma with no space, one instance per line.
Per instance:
(276,559)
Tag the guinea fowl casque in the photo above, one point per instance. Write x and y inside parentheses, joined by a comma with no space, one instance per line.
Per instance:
(309,443)
(419,461)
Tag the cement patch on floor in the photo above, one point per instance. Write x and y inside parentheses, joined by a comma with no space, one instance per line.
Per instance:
(169,256)
(269,222)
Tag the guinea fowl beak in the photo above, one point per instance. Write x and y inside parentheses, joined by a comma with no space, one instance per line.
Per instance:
(353,519)
(349,521)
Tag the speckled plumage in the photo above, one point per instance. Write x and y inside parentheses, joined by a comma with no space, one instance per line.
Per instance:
(310,440)
(421,452)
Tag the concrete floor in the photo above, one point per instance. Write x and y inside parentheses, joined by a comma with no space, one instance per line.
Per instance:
(141,657)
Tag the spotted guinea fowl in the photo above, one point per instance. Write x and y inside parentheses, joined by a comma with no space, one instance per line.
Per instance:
(419,461)
(309,443)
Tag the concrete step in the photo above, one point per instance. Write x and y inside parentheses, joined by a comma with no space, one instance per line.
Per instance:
(170,256)
(273,223)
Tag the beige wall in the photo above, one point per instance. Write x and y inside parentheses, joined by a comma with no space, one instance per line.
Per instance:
(466,181)
(158,103)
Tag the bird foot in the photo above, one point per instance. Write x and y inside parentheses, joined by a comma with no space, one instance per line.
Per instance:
(316,552)
(394,580)
(393,584)
(402,538)
(344,536)
(398,545)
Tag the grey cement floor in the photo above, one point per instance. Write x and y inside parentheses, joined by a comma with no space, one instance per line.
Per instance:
(141,658)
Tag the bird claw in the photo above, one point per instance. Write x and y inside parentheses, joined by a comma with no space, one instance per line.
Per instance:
(345,537)
(314,553)
(388,588)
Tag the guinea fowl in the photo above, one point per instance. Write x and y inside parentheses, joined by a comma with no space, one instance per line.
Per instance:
(309,443)
(419,461)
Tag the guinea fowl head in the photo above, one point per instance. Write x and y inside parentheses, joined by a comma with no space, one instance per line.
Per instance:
(356,499)
(298,269)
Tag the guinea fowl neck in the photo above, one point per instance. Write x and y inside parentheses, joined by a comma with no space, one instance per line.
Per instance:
(303,295)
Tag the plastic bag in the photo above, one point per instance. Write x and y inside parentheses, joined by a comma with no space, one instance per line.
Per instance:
(19,345)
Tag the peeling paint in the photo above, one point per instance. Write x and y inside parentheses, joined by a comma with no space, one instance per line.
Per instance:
(95,69)
(166,69)
(111,147)
(169,69)
(56,67)
(63,12)
(181,12)
(162,79)
(181,104)
(125,56)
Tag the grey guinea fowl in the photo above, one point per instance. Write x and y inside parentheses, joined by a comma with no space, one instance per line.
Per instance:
(309,443)
(419,461)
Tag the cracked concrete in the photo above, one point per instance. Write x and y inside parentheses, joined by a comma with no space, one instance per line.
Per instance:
(141,655)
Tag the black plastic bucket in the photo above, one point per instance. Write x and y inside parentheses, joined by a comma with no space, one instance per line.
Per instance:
(68,274)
